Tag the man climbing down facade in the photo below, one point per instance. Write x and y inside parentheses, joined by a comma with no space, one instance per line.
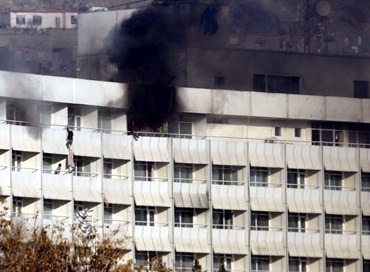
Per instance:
(69,141)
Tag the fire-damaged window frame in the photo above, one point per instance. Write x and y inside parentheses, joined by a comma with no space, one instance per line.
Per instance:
(276,83)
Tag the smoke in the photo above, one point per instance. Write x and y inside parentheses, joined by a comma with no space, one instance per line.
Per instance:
(141,49)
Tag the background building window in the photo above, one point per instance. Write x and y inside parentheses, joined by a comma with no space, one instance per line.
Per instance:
(17,160)
(47,163)
(277,131)
(224,175)
(183,173)
(20,20)
(107,168)
(36,20)
(259,176)
(333,224)
(184,218)
(259,220)
(74,118)
(297,132)
(108,214)
(144,216)
(222,219)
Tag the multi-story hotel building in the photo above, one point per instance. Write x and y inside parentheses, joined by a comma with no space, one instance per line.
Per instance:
(256,181)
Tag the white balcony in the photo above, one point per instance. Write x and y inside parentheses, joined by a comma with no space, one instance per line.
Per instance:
(266,155)
(301,156)
(365,203)
(340,159)
(87,143)
(4,136)
(117,191)
(365,246)
(116,146)
(57,186)
(267,242)
(118,230)
(341,202)
(193,239)
(190,195)
(53,140)
(229,153)
(230,241)
(304,200)
(193,151)
(152,193)
(267,199)
(26,138)
(5,180)
(229,197)
(305,244)
(155,238)
(26,182)
(151,149)
(342,246)
(87,188)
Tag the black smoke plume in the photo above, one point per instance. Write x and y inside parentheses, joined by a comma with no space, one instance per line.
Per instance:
(144,48)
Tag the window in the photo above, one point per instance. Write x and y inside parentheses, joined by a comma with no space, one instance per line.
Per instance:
(16,115)
(297,133)
(144,257)
(334,265)
(48,209)
(183,173)
(20,20)
(184,218)
(366,265)
(107,168)
(277,131)
(17,205)
(74,118)
(366,225)
(105,120)
(297,265)
(184,262)
(143,171)
(334,224)
(260,263)
(333,180)
(74,20)
(296,178)
(144,216)
(222,219)
(365,182)
(47,163)
(36,20)
(259,83)
(361,89)
(283,84)
(181,129)
(82,166)
(45,115)
(224,175)
(260,220)
(327,133)
(259,176)
(108,213)
(221,261)
(16,160)
(296,222)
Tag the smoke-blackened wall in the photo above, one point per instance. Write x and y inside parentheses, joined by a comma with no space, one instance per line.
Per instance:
(141,49)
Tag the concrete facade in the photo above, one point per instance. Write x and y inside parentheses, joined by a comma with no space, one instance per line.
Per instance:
(254,181)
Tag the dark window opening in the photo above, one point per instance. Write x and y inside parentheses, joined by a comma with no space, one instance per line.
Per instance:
(36,20)
(297,132)
(219,81)
(282,84)
(361,89)
(259,83)
(277,131)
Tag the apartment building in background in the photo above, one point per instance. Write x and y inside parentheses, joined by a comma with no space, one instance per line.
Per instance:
(254,181)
